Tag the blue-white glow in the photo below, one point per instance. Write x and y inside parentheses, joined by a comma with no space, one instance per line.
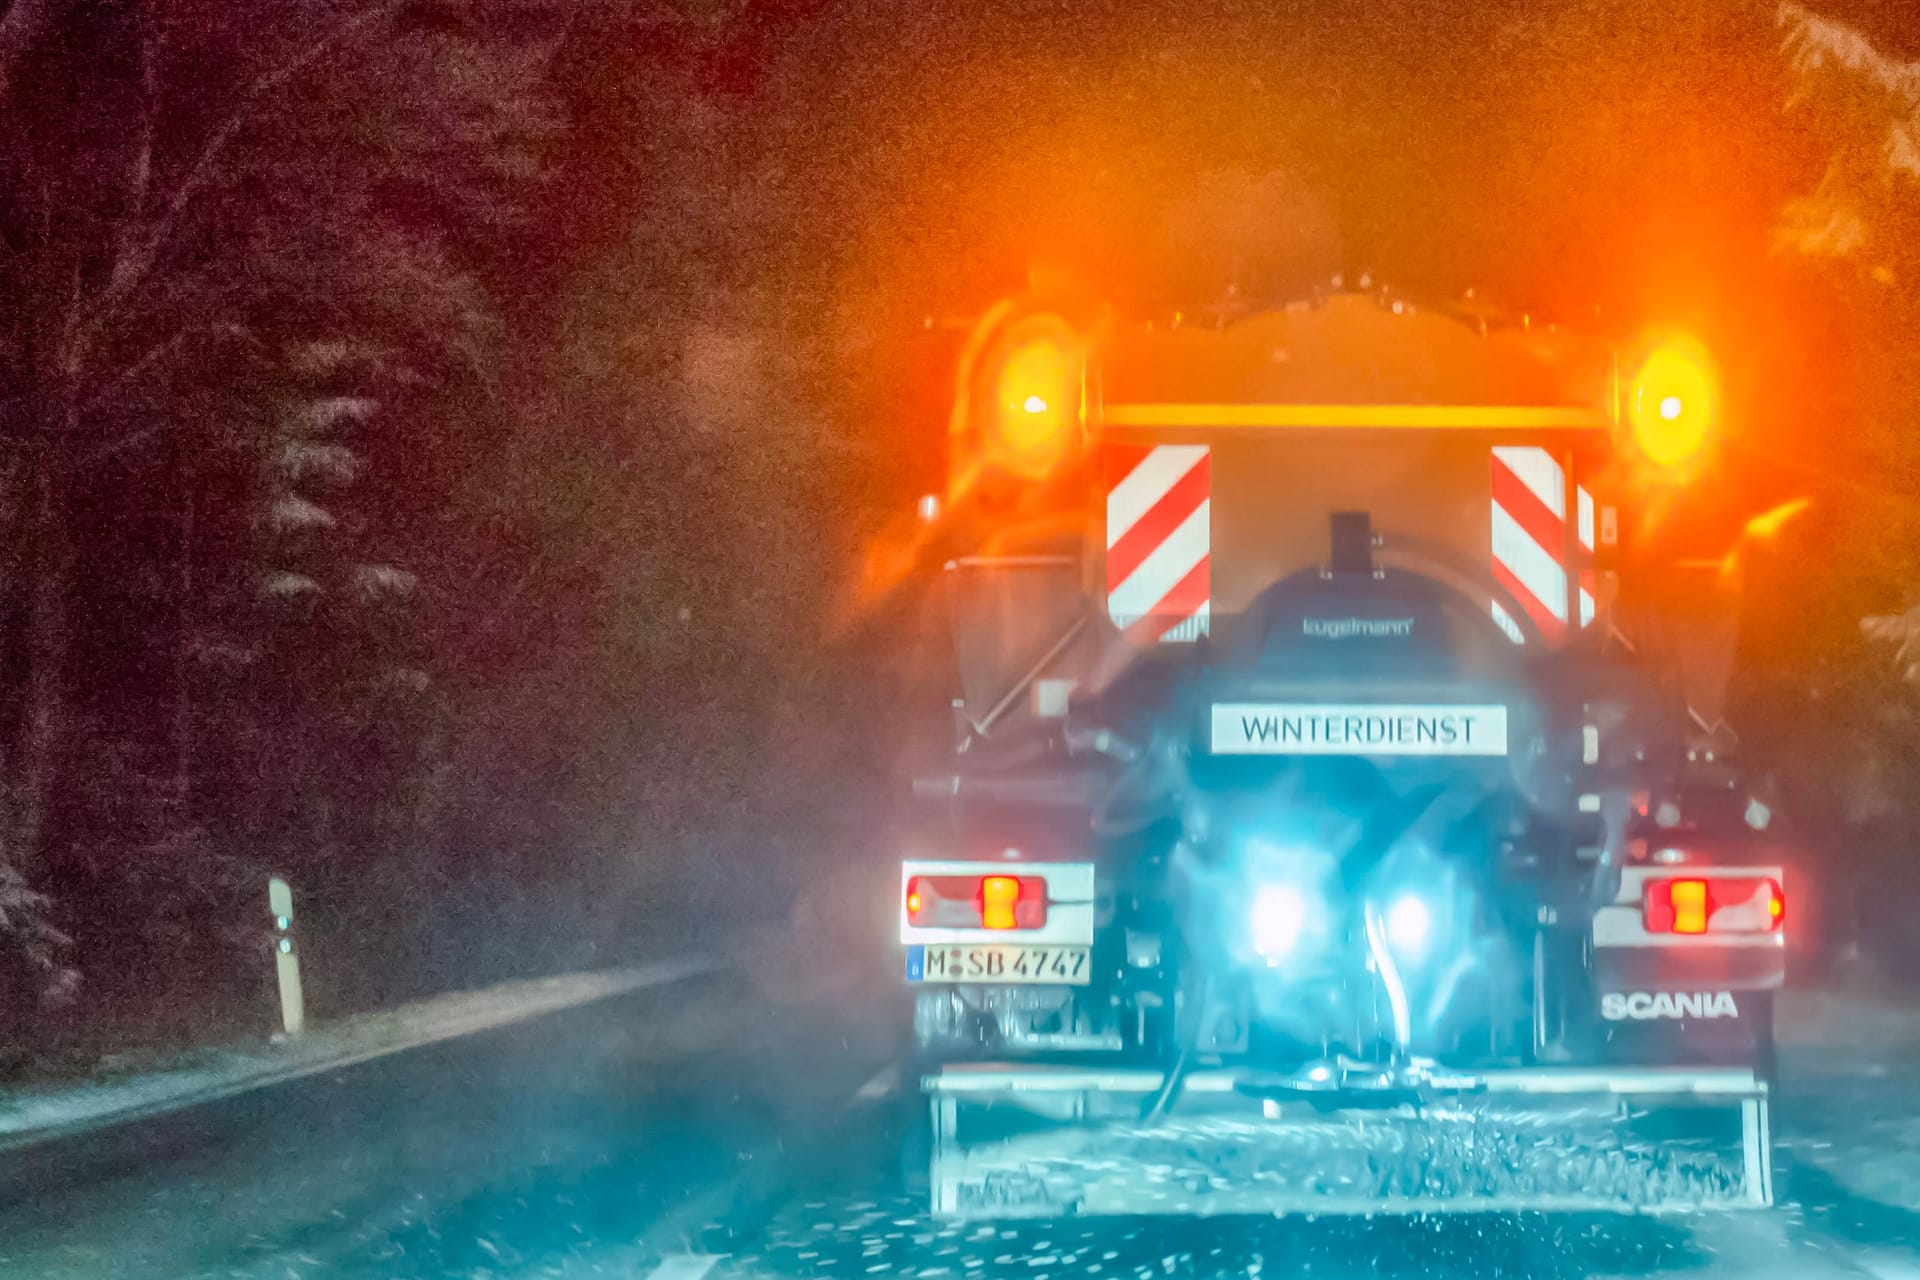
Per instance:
(1279,918)
(1408,923)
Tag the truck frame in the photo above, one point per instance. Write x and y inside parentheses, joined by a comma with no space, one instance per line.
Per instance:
(1321,823)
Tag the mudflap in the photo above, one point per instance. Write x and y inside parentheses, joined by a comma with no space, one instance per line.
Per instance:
(1044,1141)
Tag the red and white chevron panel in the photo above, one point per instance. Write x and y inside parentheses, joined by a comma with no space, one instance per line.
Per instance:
(1158,541)
(1530,539)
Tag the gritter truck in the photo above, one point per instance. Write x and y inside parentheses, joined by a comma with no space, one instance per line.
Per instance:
(1331,811)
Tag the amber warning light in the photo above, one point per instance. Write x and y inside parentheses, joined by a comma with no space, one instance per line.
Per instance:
(1025,396)
(1673,403)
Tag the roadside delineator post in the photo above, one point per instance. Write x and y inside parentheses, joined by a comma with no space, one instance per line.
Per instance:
(286,962)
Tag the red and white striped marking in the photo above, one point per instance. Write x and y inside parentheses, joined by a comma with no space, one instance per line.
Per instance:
(1158,541)
(1529,539)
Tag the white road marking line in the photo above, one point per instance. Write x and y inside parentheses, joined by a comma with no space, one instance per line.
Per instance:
(686,1266)
(883,1084)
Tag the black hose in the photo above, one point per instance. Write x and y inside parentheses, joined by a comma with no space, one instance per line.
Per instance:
(1169,1091)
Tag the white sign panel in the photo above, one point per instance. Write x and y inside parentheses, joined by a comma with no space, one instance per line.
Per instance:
(1327,729)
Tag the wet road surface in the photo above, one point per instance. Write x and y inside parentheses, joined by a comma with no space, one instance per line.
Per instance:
(711,1130)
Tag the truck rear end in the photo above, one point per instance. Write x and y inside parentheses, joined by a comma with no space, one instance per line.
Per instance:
(1312,834)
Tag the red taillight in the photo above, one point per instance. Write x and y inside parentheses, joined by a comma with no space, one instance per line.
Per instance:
(1713,904)
(977,902)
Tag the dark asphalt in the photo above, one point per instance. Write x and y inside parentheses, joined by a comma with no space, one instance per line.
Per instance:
(471,1157)
(708,1119)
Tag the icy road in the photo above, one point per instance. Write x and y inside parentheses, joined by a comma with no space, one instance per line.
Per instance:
(728,1127)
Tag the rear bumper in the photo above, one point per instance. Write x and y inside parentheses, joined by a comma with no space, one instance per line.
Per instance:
(990,1078)
(1733,969)
(1017,1140)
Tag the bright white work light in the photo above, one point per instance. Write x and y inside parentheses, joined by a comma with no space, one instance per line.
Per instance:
(1408,922)
(1279,918)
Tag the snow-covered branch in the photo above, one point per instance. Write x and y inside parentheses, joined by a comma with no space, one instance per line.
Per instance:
(1868,102)
(1815,43)
(1901,630)
(131,269)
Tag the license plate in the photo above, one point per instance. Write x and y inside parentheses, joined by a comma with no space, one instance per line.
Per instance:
(997,962)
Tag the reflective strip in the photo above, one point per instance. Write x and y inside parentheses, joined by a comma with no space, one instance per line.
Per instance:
(1181,614)
(1549,626)
(1585,502)
(1159,535)
(1127,550)
(1539,472)
(1529,535)
(1162,570)
(1508,625)
(1190,628)
(1146,483)
(1538,573)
